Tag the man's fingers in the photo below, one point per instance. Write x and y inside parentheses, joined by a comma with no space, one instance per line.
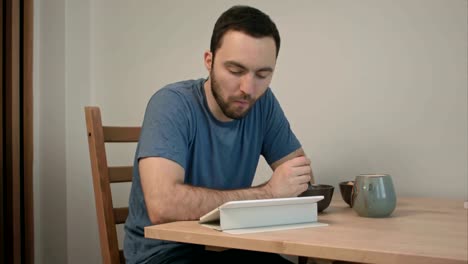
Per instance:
(303,187)
(303,179)
(299,161)
(302,170)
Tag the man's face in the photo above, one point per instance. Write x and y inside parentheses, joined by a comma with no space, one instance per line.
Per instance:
(241,72)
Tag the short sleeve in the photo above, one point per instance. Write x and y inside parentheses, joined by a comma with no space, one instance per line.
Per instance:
(165,130)
(279,139)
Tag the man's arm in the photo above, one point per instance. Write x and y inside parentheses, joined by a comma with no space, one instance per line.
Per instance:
(169,199)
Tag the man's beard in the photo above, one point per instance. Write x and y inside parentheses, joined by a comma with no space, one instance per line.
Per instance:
(226,105)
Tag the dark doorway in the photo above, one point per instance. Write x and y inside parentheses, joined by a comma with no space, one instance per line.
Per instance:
(16,136)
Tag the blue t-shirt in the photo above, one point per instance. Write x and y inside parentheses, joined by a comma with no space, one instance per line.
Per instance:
(179,126)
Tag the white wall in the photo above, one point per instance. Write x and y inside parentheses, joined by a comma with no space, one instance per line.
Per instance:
(368,86)
(82,231)
(50,143)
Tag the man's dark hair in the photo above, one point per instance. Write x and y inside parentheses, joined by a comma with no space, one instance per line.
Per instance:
(245,19)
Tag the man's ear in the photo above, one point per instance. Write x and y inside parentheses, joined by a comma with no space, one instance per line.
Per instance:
(208,59)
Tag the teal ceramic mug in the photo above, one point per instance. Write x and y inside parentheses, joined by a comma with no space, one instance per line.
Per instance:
(374,195)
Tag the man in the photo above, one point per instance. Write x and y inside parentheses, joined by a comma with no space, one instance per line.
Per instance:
(201,141)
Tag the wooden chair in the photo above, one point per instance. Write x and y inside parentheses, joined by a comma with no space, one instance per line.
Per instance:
(103,176)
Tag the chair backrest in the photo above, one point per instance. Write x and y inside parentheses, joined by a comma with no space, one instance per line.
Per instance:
(103,176)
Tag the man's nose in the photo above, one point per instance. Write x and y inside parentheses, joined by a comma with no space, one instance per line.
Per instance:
(248,84)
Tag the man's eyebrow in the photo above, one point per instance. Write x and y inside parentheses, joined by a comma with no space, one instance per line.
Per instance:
(237,64)
(234,63)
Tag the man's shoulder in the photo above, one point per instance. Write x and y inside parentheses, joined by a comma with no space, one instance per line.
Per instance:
(268,94)
(182,87)
(188,90)
(268,99)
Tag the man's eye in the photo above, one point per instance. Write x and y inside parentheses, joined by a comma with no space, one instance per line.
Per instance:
(262,75)
(236,72)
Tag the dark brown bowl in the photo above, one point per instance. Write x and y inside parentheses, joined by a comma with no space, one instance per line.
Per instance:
(320,189)
(346,189)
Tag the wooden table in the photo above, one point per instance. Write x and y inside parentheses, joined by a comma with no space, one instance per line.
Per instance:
(420,230)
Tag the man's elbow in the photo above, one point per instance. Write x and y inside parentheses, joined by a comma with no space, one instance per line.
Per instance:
(158,214)
(164,208)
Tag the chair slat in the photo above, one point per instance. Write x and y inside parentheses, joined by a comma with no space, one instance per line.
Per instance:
(122,257)
(120,174)
(120,215)
(121,134)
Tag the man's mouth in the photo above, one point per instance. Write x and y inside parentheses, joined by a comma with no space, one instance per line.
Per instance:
(242,102)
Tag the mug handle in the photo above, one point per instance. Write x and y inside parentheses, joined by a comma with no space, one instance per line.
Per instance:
(354,193)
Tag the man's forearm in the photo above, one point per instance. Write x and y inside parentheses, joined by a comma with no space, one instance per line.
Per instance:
(168,199)
(189,202)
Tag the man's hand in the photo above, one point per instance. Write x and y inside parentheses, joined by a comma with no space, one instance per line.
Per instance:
(290,178)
